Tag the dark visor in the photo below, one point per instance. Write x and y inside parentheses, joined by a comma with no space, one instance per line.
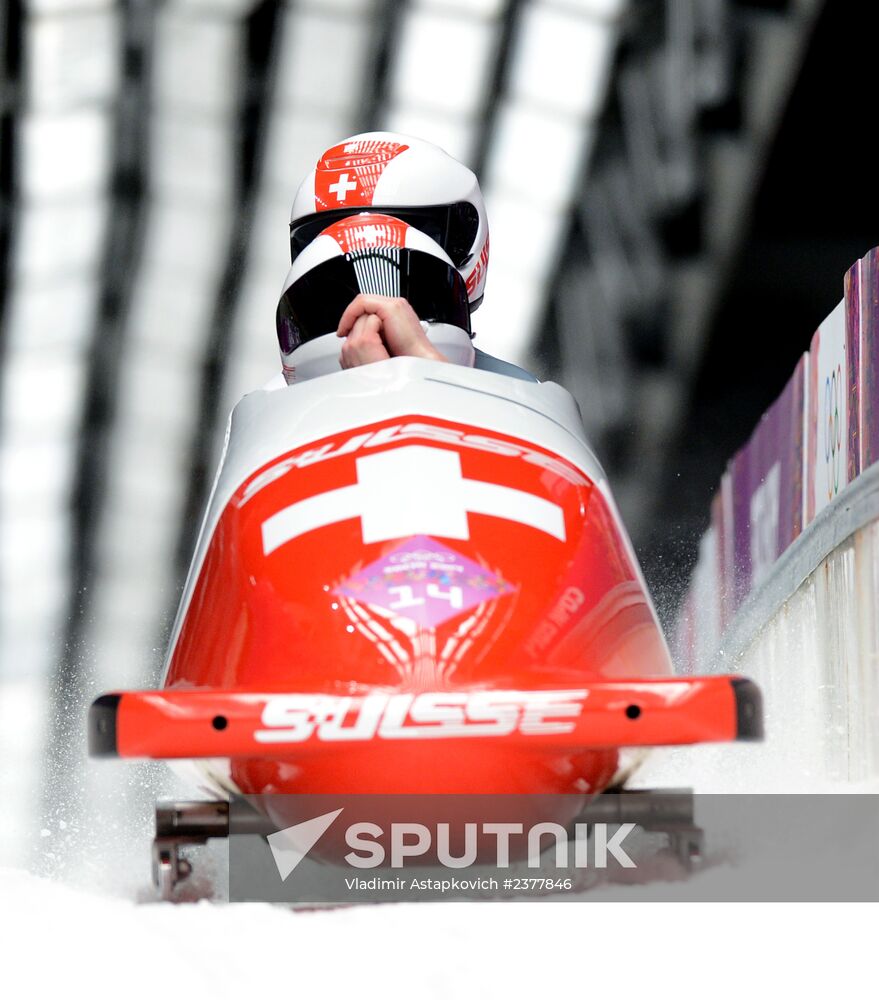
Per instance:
(454,227)
(313,305)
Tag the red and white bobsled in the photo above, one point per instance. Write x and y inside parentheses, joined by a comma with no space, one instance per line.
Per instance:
(412,578)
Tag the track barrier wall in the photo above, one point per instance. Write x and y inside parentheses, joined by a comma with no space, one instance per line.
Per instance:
(786,586)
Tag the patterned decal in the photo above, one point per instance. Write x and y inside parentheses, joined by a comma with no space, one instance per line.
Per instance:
(834,413)
(475,276)
(297,718)
(828,443)
(430,496)
(868,374)
(768,501)
(348,173)
(368,230)
(425,581)
(853,372)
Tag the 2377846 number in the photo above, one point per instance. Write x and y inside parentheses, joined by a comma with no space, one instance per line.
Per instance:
(525,884)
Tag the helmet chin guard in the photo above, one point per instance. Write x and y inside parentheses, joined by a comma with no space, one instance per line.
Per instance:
(373,254)
(453,342)
(321,356)
(404,177)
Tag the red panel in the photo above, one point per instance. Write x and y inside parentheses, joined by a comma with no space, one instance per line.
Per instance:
(347,174)
(571,609)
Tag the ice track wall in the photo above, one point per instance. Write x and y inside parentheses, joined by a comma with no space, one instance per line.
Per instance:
(786,588)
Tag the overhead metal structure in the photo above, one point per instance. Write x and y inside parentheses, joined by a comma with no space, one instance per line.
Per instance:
(698,95)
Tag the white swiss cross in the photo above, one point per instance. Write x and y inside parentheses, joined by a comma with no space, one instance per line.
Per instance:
(342,187)
(415,490)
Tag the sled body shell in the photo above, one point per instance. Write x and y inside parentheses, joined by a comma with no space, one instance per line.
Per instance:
(413,528)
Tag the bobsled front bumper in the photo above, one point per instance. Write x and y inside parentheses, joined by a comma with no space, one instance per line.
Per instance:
(215,723)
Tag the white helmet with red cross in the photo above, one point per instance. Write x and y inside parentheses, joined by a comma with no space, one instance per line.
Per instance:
(374,254)
(405,177)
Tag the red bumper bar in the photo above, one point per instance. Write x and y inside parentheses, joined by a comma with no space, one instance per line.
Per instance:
(192,723)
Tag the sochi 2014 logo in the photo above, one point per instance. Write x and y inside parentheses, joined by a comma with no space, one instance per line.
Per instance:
(832,430)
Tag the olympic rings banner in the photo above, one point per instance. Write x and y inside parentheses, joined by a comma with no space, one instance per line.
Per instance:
(817,437)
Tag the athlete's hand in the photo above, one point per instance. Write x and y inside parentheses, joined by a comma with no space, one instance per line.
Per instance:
(363,344)
(395,323)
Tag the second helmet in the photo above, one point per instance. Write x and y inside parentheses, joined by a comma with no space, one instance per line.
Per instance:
(377,255)
(405,177)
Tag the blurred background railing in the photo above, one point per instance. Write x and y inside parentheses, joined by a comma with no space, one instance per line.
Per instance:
(786,585)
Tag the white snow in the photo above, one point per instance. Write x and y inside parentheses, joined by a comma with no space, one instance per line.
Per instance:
(57,941)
